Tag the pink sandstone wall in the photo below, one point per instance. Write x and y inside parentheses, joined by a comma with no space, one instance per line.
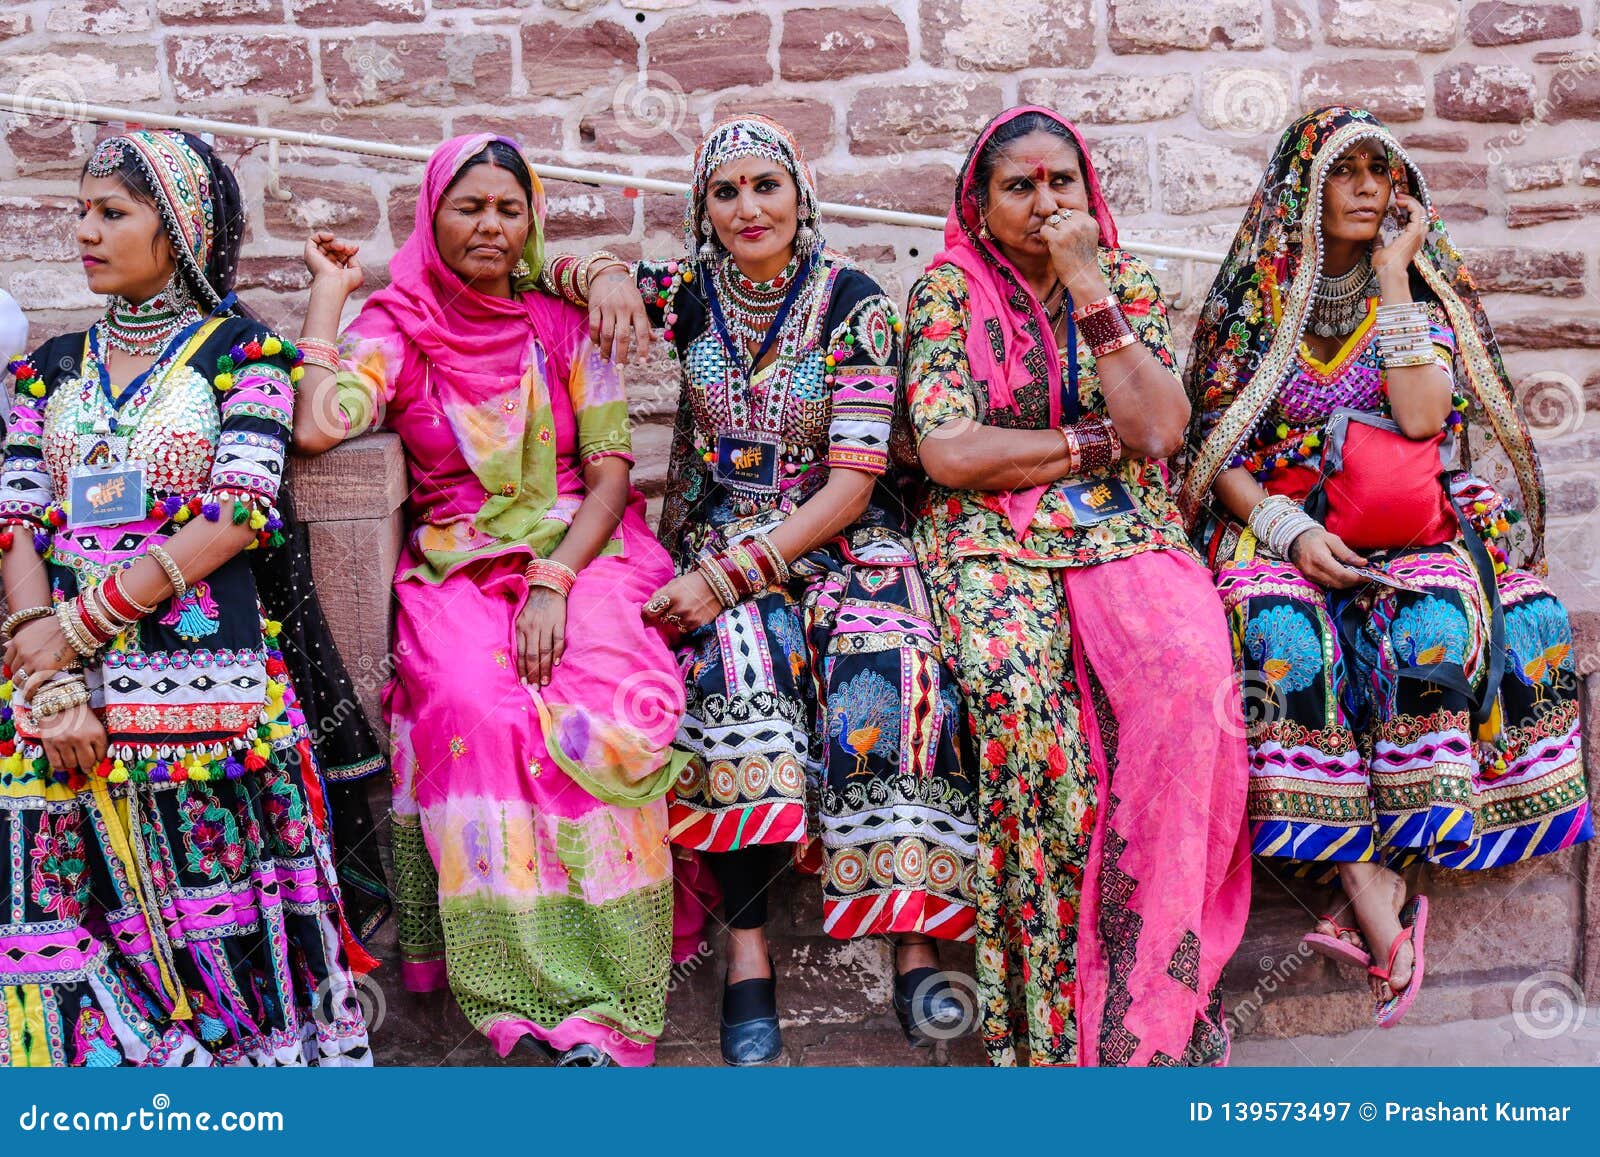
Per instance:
(1499,100)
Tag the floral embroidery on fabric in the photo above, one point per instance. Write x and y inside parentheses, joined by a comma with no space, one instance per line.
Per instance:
(60,879)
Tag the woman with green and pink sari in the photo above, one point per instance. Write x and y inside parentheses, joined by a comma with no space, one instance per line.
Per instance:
(531,710)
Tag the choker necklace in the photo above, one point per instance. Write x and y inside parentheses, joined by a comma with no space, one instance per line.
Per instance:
(144,329)
(751,306)
(1340,303)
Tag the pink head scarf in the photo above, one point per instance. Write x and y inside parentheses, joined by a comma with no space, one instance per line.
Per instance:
(451,323)
(993,281)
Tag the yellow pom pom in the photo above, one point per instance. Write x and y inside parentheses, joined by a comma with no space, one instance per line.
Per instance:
(7,689)
(297,373)
(202,774)
(274,628)
(272,347)
(223,381)
(1480,507)
(257,520)
(262,750)
(1283,429)
(182,516)
(688,275)
(119,772)
(36,388)
(1313,440)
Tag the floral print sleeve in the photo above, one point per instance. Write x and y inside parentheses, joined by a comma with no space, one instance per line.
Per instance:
(865,369)
(372,355)
(939,386)
(1135,288)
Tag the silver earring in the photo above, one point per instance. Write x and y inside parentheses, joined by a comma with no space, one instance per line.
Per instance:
(708,250)
(805,239)
(521,268)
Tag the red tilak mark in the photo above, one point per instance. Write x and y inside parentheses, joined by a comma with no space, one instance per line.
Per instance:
(744,180)
(490,198)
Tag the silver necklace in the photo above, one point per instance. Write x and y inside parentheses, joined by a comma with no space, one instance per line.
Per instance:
(1340,302)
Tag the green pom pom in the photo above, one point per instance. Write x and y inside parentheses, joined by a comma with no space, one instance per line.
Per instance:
(241,512)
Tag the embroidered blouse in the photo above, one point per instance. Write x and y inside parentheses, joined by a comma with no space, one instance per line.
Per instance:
(954,524)
(196,687)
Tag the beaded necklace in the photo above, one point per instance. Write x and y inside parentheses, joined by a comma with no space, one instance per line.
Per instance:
(144,328)
(752,306)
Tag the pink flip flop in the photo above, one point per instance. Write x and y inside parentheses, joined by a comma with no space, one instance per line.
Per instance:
(1335,947)
(1388,1012)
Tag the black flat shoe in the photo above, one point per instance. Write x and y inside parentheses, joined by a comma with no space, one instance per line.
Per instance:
(585,1056)
(928,1007)
(749,1022)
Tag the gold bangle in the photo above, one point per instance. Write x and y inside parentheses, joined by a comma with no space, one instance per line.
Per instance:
(175,576)
(67,617)
(15,619)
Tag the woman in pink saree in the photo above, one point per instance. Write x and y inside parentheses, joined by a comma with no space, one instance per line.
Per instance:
(1113,868)
(532,710)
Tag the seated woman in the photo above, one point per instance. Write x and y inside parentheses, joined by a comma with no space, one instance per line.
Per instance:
(532,710)
(1113,878)
(173,898)
(816,687)
(1413,696)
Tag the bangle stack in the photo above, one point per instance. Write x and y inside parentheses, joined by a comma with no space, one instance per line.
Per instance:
(64,692)
(1277,521)
(560,277)
(1104,326)
(551,575)
(586,271)
(743,570)
(180,587)
(316,352)
(1100,446)
(1404,336)
(15,619)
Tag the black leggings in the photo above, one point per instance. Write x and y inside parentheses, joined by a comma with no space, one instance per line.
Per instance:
(744,877)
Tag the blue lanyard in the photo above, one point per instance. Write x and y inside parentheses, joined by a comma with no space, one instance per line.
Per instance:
(1069,401)
(802,275)
(177,343)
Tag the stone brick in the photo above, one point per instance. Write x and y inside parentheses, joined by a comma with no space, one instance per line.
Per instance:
(218,11)
(811,121)
(1390,88)
(423,68)
(99,17)
(968,34)
(47,146)
(1526,216)
(1589,168)
(1456,175)
(1533,924)
(712,52)
(905,118)
(1489,93)
(1436,142)
(535,132)
(561,59)
(581,211)
(1291,27)
(614,130)
(13,24)
(652,443)
(1573,92)
(1159,26)
(1551,173)
(1245,102)
(1123,164)
(273,274)
(353,13)
(390,125)
(1546,272)
(830,43)
(239,67)
(1197,176)
(1419,25)
(107,75)
(1109,99)
(1572,496)
(349,209)
(38,229)
(914,188)
(1541,331)
(1496,23)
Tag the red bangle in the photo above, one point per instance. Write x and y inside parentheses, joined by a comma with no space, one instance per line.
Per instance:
(81,609)
(121,605)
(551,575)
(1104,327)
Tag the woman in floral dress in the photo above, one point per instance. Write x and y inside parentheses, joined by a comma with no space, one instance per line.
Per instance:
(1113,877)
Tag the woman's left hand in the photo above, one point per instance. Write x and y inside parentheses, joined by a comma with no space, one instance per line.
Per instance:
(1396,257)
(39,648)
(541,635)
(1073,236)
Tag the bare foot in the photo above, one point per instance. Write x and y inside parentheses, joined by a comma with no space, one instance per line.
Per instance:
(1351,936)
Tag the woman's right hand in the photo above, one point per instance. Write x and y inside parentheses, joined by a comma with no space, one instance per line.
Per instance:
(690,604)
(39,648)
(1323,558)
(74,739)
(618,323)
(333,262)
